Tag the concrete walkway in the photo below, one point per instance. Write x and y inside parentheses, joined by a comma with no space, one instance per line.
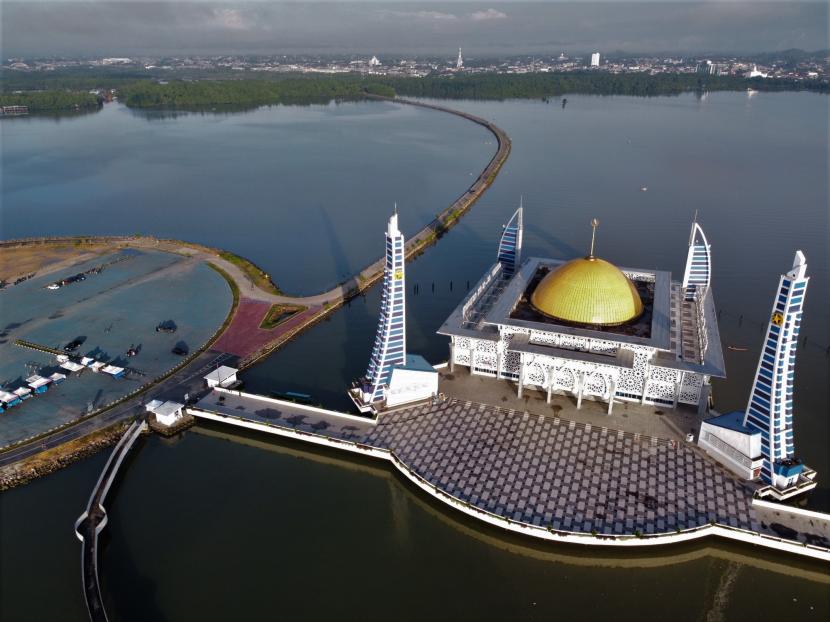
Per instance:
(547,477)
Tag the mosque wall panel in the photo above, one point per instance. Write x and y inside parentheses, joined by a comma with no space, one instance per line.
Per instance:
(660,390)
(511,363)
(690,390)
(663,374)
(564,379)
(596,384)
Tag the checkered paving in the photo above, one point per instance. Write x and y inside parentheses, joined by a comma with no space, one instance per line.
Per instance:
(558,474)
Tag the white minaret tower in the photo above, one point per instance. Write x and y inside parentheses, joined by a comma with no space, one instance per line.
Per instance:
(770,408)
(459,64)
(390,340)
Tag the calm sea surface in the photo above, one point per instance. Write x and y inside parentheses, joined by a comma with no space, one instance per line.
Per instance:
(222,526)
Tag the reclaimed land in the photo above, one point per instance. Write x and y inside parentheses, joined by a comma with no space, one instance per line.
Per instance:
(242,337)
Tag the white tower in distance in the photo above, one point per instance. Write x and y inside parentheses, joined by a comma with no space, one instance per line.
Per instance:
(595,59)
(459,64)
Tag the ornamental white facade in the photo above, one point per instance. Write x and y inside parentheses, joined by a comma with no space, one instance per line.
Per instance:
(666,356)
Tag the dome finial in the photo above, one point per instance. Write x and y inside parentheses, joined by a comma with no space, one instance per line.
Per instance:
(594,225)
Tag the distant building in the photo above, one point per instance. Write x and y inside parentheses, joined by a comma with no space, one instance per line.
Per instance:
(712,69)
(595,59)
(459,64)
(754,73)
(14,110)
(374,62)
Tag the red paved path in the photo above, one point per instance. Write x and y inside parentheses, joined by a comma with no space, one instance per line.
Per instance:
(244,336)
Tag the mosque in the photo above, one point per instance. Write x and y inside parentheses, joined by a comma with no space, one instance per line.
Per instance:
(589,329)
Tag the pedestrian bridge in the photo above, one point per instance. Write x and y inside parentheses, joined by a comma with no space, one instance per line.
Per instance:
(94,519)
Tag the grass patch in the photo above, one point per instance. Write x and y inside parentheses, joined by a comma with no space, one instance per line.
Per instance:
(278,313)
(231,283)
(252,271)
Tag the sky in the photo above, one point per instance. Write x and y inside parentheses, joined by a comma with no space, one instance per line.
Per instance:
(151,28)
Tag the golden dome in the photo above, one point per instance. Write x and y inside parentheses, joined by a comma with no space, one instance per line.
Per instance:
(588,290)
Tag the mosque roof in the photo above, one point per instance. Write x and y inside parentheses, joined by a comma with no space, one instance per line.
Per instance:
(588,290)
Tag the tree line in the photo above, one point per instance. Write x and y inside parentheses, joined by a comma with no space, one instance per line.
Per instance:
(220,90)
(541,85)
(177,94)
(51,100)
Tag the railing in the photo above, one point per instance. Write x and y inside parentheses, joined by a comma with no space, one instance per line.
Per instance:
(481,287)
(90,524)
(727,449)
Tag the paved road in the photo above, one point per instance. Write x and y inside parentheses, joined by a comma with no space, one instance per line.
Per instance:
(189,379)
(186,380)
(373,271)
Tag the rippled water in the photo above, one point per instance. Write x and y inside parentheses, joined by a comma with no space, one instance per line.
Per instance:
(223,526)
(295,189)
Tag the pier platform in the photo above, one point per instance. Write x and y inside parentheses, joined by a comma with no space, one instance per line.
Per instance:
(543,476)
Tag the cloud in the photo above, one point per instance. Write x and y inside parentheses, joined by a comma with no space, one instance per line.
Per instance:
(489,14)
(420,15)
(230,19)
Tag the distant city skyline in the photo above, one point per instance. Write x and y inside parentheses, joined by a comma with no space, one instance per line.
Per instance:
(42,28)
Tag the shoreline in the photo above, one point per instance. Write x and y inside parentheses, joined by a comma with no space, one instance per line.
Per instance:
(39,465)
(238,272)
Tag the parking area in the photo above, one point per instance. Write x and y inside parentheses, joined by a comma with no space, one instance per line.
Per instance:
(112,314)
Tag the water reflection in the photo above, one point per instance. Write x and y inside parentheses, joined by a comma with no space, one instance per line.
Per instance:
(402,493)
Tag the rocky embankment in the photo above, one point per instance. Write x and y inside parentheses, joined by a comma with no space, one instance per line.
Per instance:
(49,461)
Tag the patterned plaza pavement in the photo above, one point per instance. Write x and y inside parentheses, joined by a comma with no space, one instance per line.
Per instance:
(564,475)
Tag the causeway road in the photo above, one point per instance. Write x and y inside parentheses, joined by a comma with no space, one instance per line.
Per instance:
(189,377)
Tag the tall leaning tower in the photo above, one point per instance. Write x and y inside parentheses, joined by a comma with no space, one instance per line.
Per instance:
(770,408)
(390,339)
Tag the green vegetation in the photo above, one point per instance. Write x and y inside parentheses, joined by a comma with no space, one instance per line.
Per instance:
(542,85)
(234,290)
(178,93)
(256,275)
(63,90)
(304,90)
(51,100)
(278,313)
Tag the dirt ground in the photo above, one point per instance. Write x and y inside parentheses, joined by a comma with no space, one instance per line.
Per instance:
(43,258)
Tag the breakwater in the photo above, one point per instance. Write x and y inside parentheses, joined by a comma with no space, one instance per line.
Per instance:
(24,471)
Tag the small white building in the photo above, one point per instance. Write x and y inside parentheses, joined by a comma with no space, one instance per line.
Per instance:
(221,377)
(167,413)
(413,381)
(595,59)
(113,370)
(734,445)
(24,393)
(38,384)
